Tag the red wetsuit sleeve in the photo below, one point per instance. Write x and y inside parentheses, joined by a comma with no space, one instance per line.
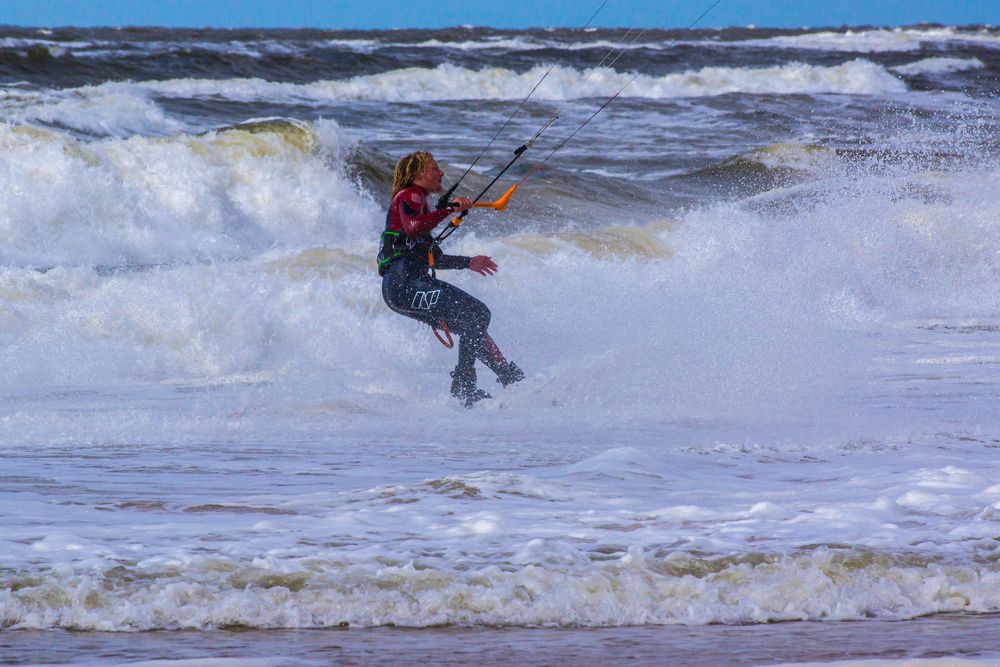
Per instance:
(411,211)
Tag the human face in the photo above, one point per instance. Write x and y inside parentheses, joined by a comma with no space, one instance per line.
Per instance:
(430,178)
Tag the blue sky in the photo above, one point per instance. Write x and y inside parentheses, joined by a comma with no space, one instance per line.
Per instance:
(497,13)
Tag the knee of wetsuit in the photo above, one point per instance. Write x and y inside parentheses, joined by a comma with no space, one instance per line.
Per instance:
(483,317)
(475,321)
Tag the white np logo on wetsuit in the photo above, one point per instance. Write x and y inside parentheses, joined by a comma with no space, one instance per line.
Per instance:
(425,300)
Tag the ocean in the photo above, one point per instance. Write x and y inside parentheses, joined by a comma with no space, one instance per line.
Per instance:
(757,299)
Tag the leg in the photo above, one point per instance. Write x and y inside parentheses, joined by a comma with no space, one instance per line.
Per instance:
(434,302)
(467,317)
(507,371)
(470,318)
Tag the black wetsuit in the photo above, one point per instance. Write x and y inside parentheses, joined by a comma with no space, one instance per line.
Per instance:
(410,287)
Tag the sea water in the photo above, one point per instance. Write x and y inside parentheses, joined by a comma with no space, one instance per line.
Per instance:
(757,300)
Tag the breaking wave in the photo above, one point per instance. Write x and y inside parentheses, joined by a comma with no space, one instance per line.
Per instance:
(635,589)
(880,40)
(939,66)
(449,82)
(265,220)
(154,200)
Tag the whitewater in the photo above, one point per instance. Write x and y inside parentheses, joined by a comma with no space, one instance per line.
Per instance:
(756,300)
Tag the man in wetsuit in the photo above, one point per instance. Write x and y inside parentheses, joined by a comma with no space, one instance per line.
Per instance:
(410,286)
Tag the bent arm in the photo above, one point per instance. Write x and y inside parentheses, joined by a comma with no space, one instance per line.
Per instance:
(417,224)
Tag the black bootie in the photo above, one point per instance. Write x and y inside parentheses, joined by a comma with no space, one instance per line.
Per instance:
(463,386)
(510,374)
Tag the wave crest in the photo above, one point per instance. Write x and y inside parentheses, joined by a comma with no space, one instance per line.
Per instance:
(638,588)
(449,82)
(223,194)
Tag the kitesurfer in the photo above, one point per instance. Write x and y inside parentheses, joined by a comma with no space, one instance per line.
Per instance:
(408,260)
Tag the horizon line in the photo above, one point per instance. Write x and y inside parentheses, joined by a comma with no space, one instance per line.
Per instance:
(129,26)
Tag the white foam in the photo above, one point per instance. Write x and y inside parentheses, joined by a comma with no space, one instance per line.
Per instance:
(53,46)
(448,82)
(634,589)
(124,48)
(149,200)
(511,44)
(119,111)
(800,157)
(362,45)
(939,66)
(287,242)
(879,40)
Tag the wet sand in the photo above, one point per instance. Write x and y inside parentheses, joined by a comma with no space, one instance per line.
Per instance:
(958,636)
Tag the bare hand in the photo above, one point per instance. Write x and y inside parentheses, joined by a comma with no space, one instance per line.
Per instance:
(483,265)
(463,203)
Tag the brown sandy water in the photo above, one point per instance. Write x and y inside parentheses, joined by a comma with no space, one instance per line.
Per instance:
(959,636)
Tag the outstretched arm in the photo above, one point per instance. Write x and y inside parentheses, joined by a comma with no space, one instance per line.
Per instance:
(480,263)
(483,265)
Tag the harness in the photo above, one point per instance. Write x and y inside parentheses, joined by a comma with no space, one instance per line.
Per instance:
(394,245)
(397,244)
(390,249)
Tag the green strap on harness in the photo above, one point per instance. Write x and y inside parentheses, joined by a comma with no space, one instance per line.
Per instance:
(385,260)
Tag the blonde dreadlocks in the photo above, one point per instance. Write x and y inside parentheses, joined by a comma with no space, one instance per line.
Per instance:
(408,168)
